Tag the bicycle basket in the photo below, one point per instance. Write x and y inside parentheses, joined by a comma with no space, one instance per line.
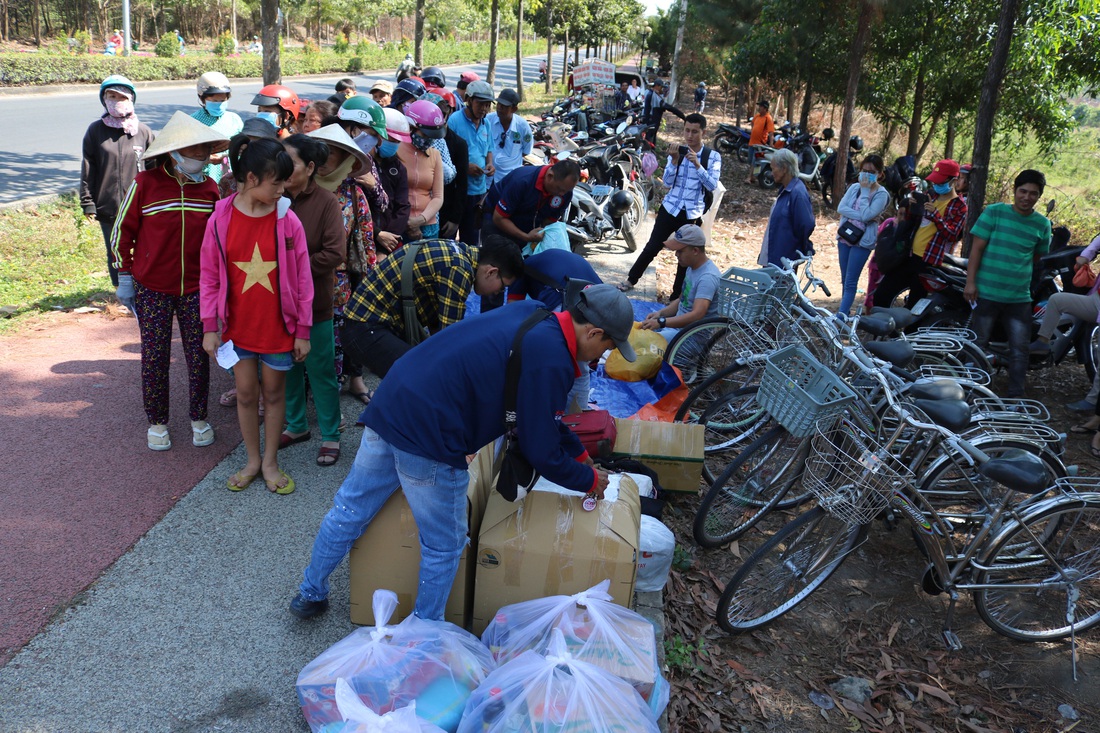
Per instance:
(798,390)
(849,473)
(758,324)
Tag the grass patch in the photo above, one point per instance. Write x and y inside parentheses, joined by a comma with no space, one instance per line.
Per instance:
(50,259)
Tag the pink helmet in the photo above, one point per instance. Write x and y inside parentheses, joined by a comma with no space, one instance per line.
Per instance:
(427,118)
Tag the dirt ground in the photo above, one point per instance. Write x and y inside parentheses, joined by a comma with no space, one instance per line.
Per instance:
(870,620)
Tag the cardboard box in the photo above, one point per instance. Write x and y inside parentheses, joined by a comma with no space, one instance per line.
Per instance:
(547,545)
(387,555)
(673,450)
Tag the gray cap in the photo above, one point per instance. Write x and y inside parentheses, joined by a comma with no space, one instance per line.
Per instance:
(255,127)
(689,235)
(508,97)
(479,90)
(605,307)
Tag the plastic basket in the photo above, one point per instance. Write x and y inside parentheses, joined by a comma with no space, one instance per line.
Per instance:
(758,324)
(849,473)
(798,390)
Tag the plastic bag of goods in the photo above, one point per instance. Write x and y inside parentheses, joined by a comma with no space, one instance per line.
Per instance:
(594,629)
(650,349)
(432,663)
(358,718)
(656,544)
(554,694)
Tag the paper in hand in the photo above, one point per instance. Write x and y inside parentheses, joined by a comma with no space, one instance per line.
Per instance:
(227,357)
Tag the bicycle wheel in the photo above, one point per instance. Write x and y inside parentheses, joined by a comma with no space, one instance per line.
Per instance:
(786,569)
(1035,591)
(697,352)
(751,486)
(722,382)
(730,423)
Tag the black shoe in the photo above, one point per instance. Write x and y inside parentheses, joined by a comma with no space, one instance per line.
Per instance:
(302,608)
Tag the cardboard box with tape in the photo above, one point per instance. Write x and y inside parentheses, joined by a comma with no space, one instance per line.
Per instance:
(387,555)
(549,545)
(673,450)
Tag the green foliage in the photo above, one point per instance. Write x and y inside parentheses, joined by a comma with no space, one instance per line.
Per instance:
(681,655)
(310,48)
(226,45)
(682,558)
(168,46)
(341,45)
(364,47)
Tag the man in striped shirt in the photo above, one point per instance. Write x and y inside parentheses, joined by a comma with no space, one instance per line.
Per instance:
(1006,241)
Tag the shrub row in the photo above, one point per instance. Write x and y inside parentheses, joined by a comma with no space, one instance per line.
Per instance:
(26,69)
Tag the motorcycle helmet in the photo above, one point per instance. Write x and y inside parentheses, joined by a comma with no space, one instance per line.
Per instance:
(397,127)
(828,133)
(407,89)
(365,112)
(212,82)
(856,143)
(434,75)
(117,80)
(428,119)
(276,95)
(620,203)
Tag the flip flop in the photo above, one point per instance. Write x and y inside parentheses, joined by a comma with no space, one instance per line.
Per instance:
(237,485)
(1083,429)
(1094,451)
(285,441)
(625,286)
(326,453)
(287,488)
(228,398)
(364,397)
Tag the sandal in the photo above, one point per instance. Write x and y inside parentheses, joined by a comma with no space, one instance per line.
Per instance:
(202,433)
(364,397)
(327,456)
(157,437)
(1084,429)
(240,481)
(286,440)
(287,488)
(625,286)
(228,398)
(1094,451)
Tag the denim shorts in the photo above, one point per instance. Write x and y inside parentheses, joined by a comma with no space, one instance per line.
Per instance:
(279,362)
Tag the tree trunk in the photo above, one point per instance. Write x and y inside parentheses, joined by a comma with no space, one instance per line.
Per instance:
(674,82)
(931,135)
(269,20)
(855,60)
(918,112)
(807,104)
(36,27)
(549,44)
(519,49)
(418,33)
(949,142)
(565,59)
(494,36)
(987,111)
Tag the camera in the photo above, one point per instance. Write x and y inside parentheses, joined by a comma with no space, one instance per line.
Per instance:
(682,150)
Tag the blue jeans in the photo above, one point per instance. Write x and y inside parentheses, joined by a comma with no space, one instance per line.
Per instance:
(1016,320)
(852,260)
(577,400)
(437,497)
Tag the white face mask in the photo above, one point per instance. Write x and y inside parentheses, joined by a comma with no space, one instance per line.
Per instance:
(189,167)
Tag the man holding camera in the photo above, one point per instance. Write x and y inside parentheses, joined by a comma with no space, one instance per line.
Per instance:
(692,172)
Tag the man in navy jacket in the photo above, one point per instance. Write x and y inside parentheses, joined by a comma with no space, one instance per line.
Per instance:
(444,400)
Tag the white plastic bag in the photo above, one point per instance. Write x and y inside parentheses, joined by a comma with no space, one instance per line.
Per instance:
(557,692)
(656,544)
(358,718)
(434,663)
(594,629)
(554,236)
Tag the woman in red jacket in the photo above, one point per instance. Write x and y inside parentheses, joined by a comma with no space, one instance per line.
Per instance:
(155,245)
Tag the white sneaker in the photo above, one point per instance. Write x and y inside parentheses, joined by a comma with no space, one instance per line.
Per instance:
(157,437)
(202,433)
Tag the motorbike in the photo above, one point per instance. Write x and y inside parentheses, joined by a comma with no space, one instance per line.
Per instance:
(598,212)
(406,69)
(732,140)
(828,167)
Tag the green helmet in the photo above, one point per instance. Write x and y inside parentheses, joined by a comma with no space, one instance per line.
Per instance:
(365,112)
(116,80)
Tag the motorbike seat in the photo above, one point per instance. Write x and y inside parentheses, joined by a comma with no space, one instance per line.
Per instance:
(1025,474)
(898,353)
(903,317)
(937,389)
(951,414)
(959,262)
(877,325)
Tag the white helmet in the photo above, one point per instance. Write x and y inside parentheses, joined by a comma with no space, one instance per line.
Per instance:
(212,82)
(397,126)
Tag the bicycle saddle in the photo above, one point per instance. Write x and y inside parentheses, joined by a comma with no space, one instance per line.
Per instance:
(1025,473)
(937,389)
(903,317)
(951,414)
(877,325)
(898,353)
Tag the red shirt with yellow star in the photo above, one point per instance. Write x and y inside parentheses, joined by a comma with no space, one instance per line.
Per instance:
(254,318)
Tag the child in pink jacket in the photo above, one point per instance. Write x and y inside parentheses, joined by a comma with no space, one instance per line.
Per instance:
(256,291)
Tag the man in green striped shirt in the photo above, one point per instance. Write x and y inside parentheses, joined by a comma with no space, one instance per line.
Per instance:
(1006,241)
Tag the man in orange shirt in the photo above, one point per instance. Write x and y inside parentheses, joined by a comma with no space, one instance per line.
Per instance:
(763,127)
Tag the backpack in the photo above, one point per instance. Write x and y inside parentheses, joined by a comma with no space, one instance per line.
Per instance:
(890,251)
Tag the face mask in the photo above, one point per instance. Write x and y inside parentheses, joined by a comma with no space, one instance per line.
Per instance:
(270,117)
(332,181)
(867,179)
(387,148)
(216,109)
(942,188)
(421,143)
(366,142)
(189,166)
(121,109)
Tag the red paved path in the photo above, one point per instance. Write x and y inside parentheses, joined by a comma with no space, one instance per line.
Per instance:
(78,486)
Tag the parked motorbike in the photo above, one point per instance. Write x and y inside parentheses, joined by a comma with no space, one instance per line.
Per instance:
(600,212)
(731,140)
(828,167)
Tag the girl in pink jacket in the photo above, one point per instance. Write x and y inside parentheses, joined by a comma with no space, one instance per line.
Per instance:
(256,292)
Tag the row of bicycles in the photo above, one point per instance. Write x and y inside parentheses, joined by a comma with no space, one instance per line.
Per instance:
(847,423)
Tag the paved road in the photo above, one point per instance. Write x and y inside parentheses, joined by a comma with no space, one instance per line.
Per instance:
(41,153)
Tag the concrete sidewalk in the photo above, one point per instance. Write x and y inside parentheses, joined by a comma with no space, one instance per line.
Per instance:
(189,630)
